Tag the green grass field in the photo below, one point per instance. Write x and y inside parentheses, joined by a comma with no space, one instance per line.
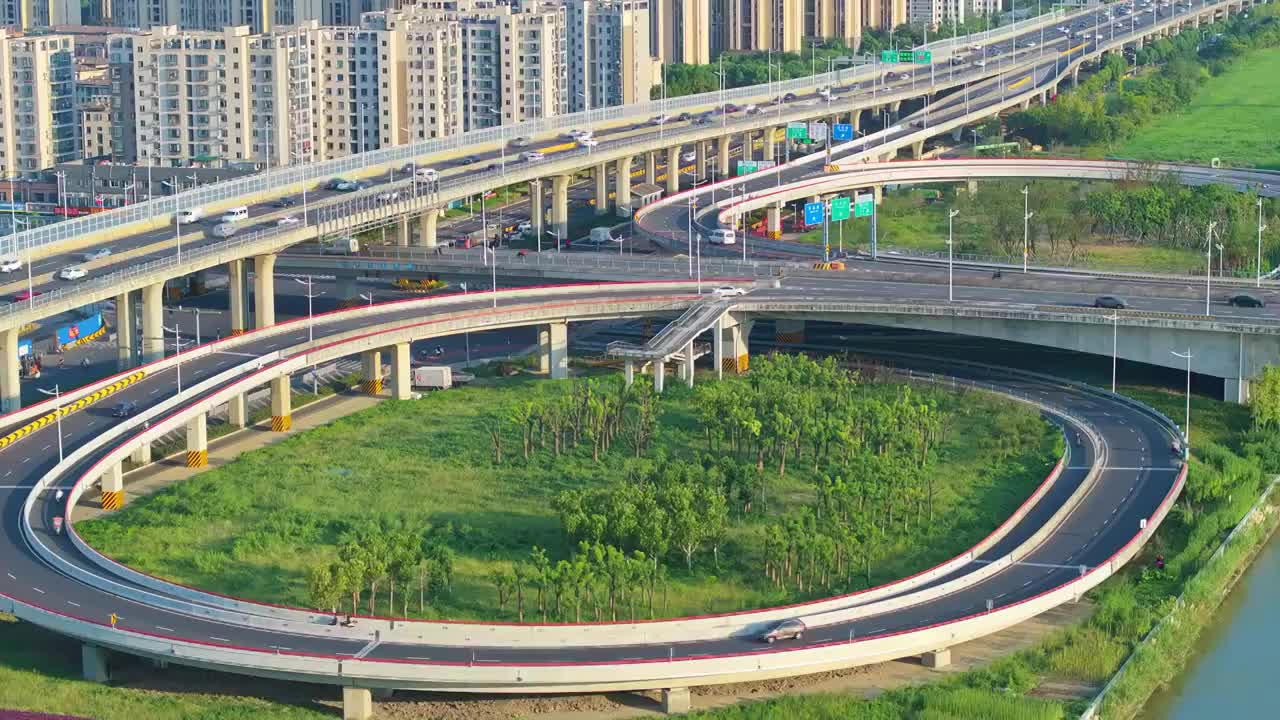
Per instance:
(253,528)
(1233,117)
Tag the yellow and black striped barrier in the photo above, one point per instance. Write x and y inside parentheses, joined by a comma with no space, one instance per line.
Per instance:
(197,458)
(836,265)
(87,338)
(371,387)
(736,365)
(69,408)
(112,499)
(281,423)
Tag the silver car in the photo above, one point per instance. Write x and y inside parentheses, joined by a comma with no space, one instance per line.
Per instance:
(792,629)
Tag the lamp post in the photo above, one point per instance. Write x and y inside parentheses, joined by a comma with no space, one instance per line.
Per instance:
(494,267)
(177,350)
(692,205)
(1114,317)
(951,216)
(1208,267)
(1186,425)
(1220,254)
(197,312)
(1026,225)
(367,296)
(57,411)
(1261,226)
(310,314)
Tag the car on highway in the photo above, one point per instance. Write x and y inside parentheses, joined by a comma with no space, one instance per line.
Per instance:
(26,295)
(728,291)
(10,264)
(96,254)
(288,221)
(792,629)
(660,120)
(1110,302)
(731,108)
(684,117)
(521,142)
(427,175)
(388,196)
(579,135)
(589,142)
(702,120)
(790,97)
(284,202)
(73,272)
(1246,300)
(342,185)
(532,156)
(124,409)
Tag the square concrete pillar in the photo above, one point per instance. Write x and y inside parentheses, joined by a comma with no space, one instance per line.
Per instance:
(357,704)
(688,364)
(264,291)
(676,701)
(936,658)
(553,342)
(281,404)
(401,374)
(371,372)
(601,174)
(659,375)
(238,411)
(142,454)
(198,441)
(126,332)
(628,371)
(238,296)
(113,487)
(10,371)
(94,661)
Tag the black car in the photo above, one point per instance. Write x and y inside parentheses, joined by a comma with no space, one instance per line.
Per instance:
(469,160)
(124,409)
(1110,302)
(1246,300)
(790,97)
(684,117)
(284,202)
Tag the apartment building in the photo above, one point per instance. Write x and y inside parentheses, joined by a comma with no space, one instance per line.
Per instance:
(259,15)
(38,123)
(610,60)
(835,19)
(95,128)
(680,30)
(31,14)
(935,12)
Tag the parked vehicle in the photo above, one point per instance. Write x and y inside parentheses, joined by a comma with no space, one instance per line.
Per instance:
(235,214)
(340,246)
(1246,300)
(10,263)
(72,273)
(96,254)
(433,377)
(1110,302)
(792,629)
(722,236)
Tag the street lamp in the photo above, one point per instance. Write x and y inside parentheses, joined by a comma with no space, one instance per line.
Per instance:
(692,204)
(177,350)
(1261,226)
(494,267)
(1114,317)
(1208,267)
(310,314)
(57,411)
(197,312)
(1220,254)
(367,296)
(1026,223)
(1186,425)
(951,216)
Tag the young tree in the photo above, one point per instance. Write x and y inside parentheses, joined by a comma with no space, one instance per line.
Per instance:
(323,589)
(715,518)
(687,531)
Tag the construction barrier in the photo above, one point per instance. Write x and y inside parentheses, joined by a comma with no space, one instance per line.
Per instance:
(112,499)
(281,423)
(836,265)
(197,458)
(69,408)
(371,387)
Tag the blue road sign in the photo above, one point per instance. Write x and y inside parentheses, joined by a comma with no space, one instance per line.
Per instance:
(842,131)
(813,213)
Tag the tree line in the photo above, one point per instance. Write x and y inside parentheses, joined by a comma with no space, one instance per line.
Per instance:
(379,557)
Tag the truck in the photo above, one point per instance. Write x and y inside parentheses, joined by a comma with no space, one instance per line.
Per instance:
(340,246)
(433,377)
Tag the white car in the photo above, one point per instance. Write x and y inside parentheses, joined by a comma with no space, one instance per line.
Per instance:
(691,156)
(532,156)
(389,196)
(72,273)
(588,142)
(579,135)
(288,221)
(10,264)
(96,254)
(728,291)
(660,120)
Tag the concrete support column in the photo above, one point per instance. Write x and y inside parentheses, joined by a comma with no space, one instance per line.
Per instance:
(198,441)
(628,371)
(788,332)
(141,455)
(264,291)
(281,404)
(675,701)
(773,224)
(894,107)
(917,148)
(357,703)
(553,342)
(126,332)
(877,193)
(722,156)
(93,659)
(536,207)
(673,170)
(401,372)
(659,375)
(686,367)
(237,293)
(855,119)
(113,487)
(1075,72)
(11,373)
(748,145)
(238,411)
(602,189)
(936,658)
(717,349)
(739,337)
(371,372)
(771,143)
(1235,390)
(700,151)
(560,206)
(651,168)
(153,322)
(427,228)
(622,189)
(402,231)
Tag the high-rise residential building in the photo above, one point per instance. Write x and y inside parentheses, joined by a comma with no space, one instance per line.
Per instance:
(884,14)
(935,12)
(95,128)
(426,99)
(984,7)
(610,61)
(681,31)
(31,14)
(835,20)
(38,123)
(259,15)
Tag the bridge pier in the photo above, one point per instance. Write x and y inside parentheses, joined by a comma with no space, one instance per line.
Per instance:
(855,119)
(152,322)
(536,207)
(700,159)
(673,170)
(936,658)
(675,701)
(401,372)
(237,296)
(357,703)
(651,167)
(281,404)
(113,486)
(560,206)
(917,147)
(126,332)
(553,345)
(659,375)
(141,455)
(722,155)
(729,345)
(602,189)
(427,228)
(686,365)
(771,143)
(371,372)
(788,332)
(93,661)
(11,373)
(402,231)
(628,371)
(622,191)
(773,221)
(264,291)
(238,411)
(198,441)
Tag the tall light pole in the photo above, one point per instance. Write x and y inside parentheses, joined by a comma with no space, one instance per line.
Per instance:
(57,411)
(177,350)
(1114,317)
(1186,425)
(1026,224)
(1261,226)
(367,296)
(311,295)
(1208,267)
(494,267)
(692,205)
(1220,254)
(951,216)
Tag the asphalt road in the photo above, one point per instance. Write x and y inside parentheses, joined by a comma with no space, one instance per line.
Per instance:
(1143,470)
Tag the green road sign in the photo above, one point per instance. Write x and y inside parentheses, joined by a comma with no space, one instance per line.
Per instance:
(797,131)
(888,56)
(746,167)
(923,57)
(840,208)
(864,205)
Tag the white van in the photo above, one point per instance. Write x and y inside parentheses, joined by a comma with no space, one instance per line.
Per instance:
(188,216)
(10,263)
(721,236)
(224,230)
(235,214)
(428,175)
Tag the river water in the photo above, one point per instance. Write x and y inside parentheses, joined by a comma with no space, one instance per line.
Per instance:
(1233,674)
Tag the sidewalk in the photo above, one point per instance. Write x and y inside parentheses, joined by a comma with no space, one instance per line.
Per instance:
(226,449)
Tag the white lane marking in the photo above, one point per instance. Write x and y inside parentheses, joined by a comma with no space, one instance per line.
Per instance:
(11,577)
(153,392)
(73,603)
(26,459)
(411,657)
(46,447)
(213,637)
(368,648)
(161,627)
(37,590)
(279,647)
(230,352)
